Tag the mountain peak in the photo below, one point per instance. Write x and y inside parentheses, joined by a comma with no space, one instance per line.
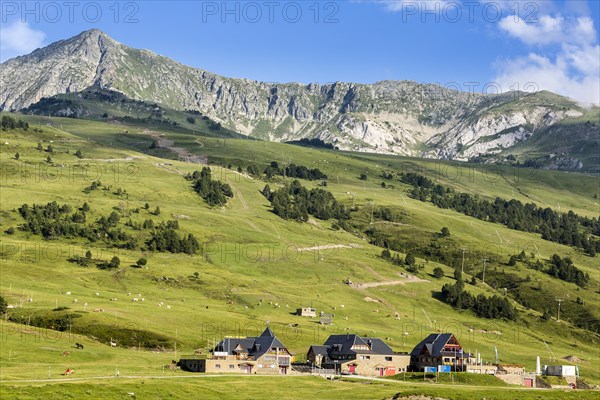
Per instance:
(399,117)
(94,35)
(68,66)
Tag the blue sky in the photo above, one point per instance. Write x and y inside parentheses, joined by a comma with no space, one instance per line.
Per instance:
(549,44)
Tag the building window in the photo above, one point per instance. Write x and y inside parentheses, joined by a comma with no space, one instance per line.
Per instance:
(388,359)
(218,366)
(231,366)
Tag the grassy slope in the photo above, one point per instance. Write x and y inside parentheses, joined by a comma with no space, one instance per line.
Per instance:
(278,387)
(203,313)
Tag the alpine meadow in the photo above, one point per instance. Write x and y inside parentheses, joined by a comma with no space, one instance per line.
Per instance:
(168,232)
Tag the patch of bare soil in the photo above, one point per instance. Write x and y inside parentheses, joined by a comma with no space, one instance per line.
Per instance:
(184,155)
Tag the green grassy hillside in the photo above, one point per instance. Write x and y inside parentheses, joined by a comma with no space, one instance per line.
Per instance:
(254,268)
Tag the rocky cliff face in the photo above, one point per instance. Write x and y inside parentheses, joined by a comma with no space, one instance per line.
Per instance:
(404,118)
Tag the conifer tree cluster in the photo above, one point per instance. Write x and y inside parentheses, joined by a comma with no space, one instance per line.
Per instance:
(8,122)
(215,193)
(483,306)
(564,228)
(295,202)
(563,268)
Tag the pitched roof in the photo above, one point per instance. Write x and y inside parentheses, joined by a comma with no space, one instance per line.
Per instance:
(433,344)
(378,346)
(254,346)
(267,332)
(318,349)
(343,345)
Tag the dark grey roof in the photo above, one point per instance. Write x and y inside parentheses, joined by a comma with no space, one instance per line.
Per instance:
(230,344)
(342,345)
(254,346)
(434,343)
(318,349)
(378,346)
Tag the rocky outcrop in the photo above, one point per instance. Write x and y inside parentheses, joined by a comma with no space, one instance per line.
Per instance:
(398,117)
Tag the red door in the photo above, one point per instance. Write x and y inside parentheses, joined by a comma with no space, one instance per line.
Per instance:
(528,382)
(352,368)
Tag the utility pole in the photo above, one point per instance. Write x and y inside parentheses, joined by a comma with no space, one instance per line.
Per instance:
(485,260)
(558,312)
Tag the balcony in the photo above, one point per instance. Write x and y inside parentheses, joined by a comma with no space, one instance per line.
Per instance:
(224,356)
(284,361)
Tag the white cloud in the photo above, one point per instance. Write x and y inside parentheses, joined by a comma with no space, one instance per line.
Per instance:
(573,72)
(571,65)
(18,38)
(548,30)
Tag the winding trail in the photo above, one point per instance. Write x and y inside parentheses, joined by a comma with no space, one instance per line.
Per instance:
(408,279)
(330,246)
(184,154)
(129,158)
(241,198)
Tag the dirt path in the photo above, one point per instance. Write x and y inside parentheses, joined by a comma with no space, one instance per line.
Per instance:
(184,155)
(390,223)
(256,228)
(123,377)
(170,168)
(407,279)
(241,198)
(330,246)
(130,158)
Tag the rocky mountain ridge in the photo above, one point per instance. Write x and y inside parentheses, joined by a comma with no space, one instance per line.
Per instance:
(399,117)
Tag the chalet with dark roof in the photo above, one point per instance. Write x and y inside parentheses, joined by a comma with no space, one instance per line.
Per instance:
(439,349)
(356,355)
(264,354)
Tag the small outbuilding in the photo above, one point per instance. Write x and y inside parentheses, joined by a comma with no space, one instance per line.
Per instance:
(307,312)
(559,370)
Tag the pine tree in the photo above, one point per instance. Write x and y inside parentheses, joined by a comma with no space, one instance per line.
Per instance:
(386,254)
